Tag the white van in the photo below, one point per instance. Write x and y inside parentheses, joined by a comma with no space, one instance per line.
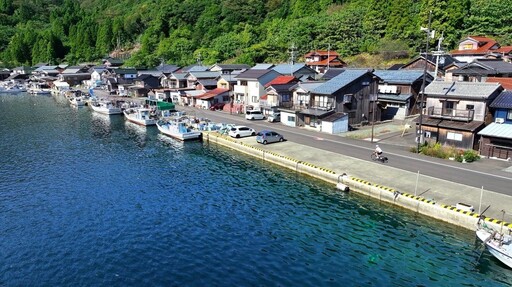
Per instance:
(254,115)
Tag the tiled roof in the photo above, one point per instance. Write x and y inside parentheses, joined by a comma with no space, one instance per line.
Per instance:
(484,46)
(503,100)
(322,53)
(233,66)
(167,69)
(465,90)
(282,87)
(207,82)
(399,76)
(455,125)
(309,86)
(281,80)
(253,74)
(340,81)
(205,74)
(287,69)
(331,60)
(213,93)
(506,83)
(400,98)
(262,66)
(334,117)
(485,67)
(332,72)
(497,130)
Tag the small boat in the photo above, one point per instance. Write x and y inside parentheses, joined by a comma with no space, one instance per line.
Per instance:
(12,89)
(77,101)
(178,130)
(497,243)
(140,116)
(107,108)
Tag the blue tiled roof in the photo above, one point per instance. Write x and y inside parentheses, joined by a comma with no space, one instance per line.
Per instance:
(399,76)
(503,100)
(340,81)
(287,69)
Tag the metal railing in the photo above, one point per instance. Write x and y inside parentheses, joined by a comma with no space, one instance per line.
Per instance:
(451,114)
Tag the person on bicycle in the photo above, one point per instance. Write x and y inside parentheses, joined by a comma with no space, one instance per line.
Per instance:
(378,151)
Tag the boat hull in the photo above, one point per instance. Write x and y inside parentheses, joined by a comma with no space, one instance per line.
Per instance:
(178,132)
(137,118)
(502,250)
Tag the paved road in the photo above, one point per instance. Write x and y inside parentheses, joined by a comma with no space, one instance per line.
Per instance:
(492,175)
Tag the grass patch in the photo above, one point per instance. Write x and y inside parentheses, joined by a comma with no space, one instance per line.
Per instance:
(447,152)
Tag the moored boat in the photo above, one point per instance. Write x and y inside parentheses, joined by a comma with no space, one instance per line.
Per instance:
(107,108)
(140,116)
(497,243)
(178,130)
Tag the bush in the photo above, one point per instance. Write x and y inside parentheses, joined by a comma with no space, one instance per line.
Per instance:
(439,151)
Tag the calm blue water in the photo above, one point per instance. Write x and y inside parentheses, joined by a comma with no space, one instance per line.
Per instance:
(89,200)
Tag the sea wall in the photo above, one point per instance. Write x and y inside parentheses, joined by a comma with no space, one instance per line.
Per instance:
(344,181)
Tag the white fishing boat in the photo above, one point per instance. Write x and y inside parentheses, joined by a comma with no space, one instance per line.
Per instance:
(178,130)
(140,116)
(12,89)
(105,107)
(77,101)
(497,243)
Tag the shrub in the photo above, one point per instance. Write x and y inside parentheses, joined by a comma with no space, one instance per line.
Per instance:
(439,151)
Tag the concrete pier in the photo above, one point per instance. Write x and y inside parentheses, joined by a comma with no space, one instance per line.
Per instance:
(387,184)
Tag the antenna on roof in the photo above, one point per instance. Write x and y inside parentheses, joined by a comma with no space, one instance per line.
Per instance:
(438,53)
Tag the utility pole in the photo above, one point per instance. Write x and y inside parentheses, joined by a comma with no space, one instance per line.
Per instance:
(292,58)
(438,53)
(422,96)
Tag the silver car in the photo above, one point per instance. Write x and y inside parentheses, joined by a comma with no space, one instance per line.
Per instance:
(267,136)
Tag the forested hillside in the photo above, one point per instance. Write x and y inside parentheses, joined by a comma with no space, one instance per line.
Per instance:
(235,31)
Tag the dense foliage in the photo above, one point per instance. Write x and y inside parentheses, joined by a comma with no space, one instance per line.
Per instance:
(236,31)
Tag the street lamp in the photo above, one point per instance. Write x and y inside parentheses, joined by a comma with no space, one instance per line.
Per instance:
(422,95)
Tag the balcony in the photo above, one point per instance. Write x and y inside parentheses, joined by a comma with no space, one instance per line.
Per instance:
(451,114)
(238,89)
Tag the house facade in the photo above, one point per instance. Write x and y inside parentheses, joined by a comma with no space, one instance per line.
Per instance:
(321,60)
(456,111)
(481,69)
(496,138)
(251,86)
(478,47)
(399,92)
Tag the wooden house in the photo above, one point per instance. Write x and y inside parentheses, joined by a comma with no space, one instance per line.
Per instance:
(480,69)
(496,138)
(456,112)
(321,61)
(278,94)
(399,92)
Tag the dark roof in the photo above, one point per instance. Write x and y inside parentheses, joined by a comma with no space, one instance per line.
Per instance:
(316,112)
(484,67)
(400,98)
(396,67)
(233,66)
(253,74)
(335,84)
(332,72)
(448,124)
(503,100)
(167,69)
(281,87)
(407,77)
(334,117)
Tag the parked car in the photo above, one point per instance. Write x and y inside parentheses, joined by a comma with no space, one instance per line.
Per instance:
(275,117)
(267,136)
(217,106)
(241,131)
(254,115)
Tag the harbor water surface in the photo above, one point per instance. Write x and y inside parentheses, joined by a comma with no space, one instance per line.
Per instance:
(92,200)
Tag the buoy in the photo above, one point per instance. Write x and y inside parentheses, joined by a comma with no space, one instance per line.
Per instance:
(342,187)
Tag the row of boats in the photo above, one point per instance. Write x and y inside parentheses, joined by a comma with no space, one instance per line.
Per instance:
(173,124)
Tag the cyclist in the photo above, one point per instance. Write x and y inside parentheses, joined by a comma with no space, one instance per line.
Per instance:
(378,151)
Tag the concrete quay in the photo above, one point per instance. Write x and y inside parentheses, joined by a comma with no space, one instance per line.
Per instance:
(388,184)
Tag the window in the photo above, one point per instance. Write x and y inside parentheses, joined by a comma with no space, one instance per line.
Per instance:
(285,97)
(255,99)
(454,136)
(470,107)
(509,115)
(291,119)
